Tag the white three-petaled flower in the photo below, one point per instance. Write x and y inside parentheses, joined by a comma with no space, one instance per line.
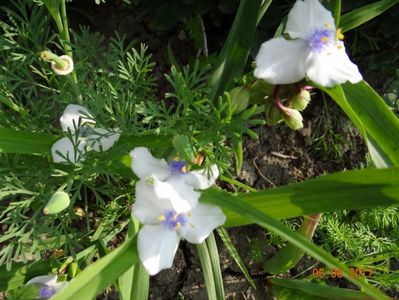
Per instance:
(76,120)
(315,50)
(48,285)
(167,205)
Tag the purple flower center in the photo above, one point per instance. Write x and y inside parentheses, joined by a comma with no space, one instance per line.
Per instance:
(178,166)
(172,220)
(320,39)
(46,292)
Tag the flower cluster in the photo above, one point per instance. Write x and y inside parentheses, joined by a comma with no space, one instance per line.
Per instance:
(167,206)
(79,123)
(314,50)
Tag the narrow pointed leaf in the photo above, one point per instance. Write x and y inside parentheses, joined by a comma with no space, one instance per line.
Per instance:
(234,55)
(206,267)
(371,115)
(224,235)
(364,14)
(217,272)
(13,141)
(93,279)
(359,189)
(265,220)
(318,290)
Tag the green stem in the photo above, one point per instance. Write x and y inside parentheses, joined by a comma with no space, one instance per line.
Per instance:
(290,255)
(67,40)
(65,33)
(49,56)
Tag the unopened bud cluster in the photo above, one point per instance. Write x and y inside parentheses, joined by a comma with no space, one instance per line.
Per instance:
(285,105)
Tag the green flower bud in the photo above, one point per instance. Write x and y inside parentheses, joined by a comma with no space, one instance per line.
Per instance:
(293,118)
(57,203)
(300,100)
(239,99)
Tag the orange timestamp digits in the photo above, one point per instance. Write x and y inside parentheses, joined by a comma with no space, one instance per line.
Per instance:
(337,273)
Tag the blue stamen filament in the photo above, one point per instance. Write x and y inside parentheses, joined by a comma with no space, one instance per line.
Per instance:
(173,220)
(324,37)
(46,292)
(178,166)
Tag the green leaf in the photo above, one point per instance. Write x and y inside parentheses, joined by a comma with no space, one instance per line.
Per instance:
(289,255)
(217,273)
(346,190)
(20,273)
(364,14)
(11,104)
(318,290)
(335,8)
(234,55)
(99,275)
(265,5)
(256,215)
(206,267)
(134,283)
(224,236)
(371,115)
(184,147)
(13,141)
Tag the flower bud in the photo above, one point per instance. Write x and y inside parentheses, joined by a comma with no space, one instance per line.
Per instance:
(293,118)
(239,99)
(300,100)
(68,67)
(57,203)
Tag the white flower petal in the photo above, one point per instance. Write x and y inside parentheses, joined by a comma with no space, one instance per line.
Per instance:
(199,179)
(145,165)
(331,67)
(67,69)
(67,153)
(181,195)
(101,139)
(49,280)
(59,285)
(280,61)
(202,221)
(157,247)
(148,205)
(305,17)
(75,116)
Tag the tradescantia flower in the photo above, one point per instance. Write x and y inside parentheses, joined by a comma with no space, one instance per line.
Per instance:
(79,123)
(47,284)
(315,50)
(167,204)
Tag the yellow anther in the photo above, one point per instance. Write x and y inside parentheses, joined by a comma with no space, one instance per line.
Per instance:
(325,39)
(175,216)
(176,158)
(340,47)
(328,25)
(340,35)
(184,169)
(177,226)
(161,218)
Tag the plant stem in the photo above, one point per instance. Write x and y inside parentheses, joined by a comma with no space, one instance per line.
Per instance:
(66,37)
